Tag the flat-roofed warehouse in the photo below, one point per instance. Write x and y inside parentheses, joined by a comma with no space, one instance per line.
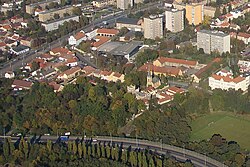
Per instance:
(127,50)
(109,46)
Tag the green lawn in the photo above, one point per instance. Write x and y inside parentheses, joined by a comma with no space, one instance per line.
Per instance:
(229,126)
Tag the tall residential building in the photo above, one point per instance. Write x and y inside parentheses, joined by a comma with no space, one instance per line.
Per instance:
(153,26)
(213,41)
(123,4)
(194,13)
(174,20)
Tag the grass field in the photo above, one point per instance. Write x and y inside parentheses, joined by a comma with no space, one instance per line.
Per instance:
(231,127)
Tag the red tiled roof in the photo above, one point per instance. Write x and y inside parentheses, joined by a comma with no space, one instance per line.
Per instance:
(164,70)
(117,74)
(165,99)
(106,73)
(176,89)
(79,35)
(245,35)
(2,44)
(7,27)
(61,50)
(225,24)
(46,56)
(88,69)
(22,83)
(55,85)
(227,78)
(107,31)
(101,41)
(70,71)
(202,70)
(179,61)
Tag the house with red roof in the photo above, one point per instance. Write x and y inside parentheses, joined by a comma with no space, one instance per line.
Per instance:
(77,38)
(166,71)
(57,87)
(166,61)
(99,40)
(21,84)
(70,73)
(16,19)
(107,32)
(225,82)
(60,51)
(2,46)
(245,37)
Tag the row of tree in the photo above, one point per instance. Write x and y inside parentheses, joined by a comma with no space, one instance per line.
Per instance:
(27,153)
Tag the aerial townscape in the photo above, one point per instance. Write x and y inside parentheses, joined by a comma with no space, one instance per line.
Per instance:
(125,83)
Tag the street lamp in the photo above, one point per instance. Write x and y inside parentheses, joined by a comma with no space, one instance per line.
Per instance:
(183,148)
(111,139)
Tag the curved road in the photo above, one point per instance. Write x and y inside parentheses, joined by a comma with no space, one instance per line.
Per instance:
(180,154)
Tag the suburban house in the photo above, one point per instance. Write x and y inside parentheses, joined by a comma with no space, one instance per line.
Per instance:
(224,81)
(77,38)
(245,37)
(130,23)
(70,73)
(60,51)
(165,61)
(21,84)
(9,74)
(57,87)
(20,49)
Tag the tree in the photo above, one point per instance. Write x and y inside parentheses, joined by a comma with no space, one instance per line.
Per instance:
(77,11)
(34,66)
(224,11)
(85,46)
(80,151)
(230,8)
(217,12)
(56,16)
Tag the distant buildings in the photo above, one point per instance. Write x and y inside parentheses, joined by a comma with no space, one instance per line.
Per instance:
(54,24)
(213,41)
(194,13)
(129,23)
(174,20)
(225,81)
(172,62)
(49,14)
(42,4)
(153,26)
(123,4)
(77,38)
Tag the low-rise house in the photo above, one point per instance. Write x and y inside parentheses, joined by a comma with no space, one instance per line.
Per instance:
(245,37)
(72,62)
(226,82)
(70,73)
(27,41)
(77,38)
(165,100)
(100,40)
(174,90)
(60,51)
(46,57)
(21,84)
(166,71)
(20,49)
(165,61)
(129,23)
(57,87)
(9,74)
(107,32)
(16,19)
(3,46)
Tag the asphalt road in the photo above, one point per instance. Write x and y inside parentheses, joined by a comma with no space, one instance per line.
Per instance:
(181,154)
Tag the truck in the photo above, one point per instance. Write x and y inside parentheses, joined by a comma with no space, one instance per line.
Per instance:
(64,138)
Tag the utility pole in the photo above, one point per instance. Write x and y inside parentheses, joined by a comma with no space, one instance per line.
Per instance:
(111,140)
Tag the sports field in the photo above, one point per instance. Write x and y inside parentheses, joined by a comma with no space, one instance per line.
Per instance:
(231,127)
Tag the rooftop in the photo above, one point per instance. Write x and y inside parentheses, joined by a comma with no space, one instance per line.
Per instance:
(126,48)
(109,46)
(179,61)
(126,20)
(216,33)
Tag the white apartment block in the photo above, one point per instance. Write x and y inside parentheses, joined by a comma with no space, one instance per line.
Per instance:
(174,20)
(226,82)
(153,27)
(123,4)
(213,41)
